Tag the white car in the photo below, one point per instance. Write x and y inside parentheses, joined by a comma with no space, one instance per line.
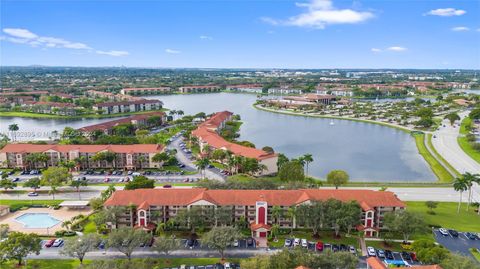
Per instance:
(296,242)
(235,243)
(352,250)
(304,243)
(32,193)
(58,242)
(371,252)
(227,265)
(443,231)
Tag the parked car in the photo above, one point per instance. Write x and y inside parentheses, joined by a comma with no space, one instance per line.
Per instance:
(335,248)
(101,245)
(235,243)
(58,242)
(288,243)
(49,243)
(32,194)
(106,179)
(304,243)
(371,252)
(319,246)
(296,242)
(406,256)
(380,253)
(167,186)
(471,236)
(443,231)
(389,255)
(250,242)
(453,233)
(352,250)
(16,179)
(413,255)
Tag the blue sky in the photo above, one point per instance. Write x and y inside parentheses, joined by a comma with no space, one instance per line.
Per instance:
(242,34)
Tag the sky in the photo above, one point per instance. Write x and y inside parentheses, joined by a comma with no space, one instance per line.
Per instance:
(242,33)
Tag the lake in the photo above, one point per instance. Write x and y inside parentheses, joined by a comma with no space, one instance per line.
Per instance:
(368,152)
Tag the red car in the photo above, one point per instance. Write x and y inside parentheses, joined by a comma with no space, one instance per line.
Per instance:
(414,256)
(50,243)
(319,246)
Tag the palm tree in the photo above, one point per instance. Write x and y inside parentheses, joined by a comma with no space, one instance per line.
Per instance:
(180,112)
(141,159)
(307,158)
(67,224)
(461,185)
(470,179)
(77,184)
(277,214)
(291,212)
(13,128)
(203,164)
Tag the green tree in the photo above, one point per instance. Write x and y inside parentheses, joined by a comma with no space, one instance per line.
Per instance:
(223,216)
(457,261)
(166,245)
(291,171)
(55,177)
(160,157)
(282,159)
(108,192)
(277,213)
(13,128)
(460,185)
(37,157)
(470,179)
(20,245)
(219,238)
(452,117)
(202,164)
(78,247)
(404,222)
(433,255)
(7,184)
(77,184)
(337,178)
(431,206)
(307,158)
(125,240)
(140,182)
(191,218)
(33,183)
(4,229)
(475,114)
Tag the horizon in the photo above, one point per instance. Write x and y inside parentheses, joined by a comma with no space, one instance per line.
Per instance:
(311,34)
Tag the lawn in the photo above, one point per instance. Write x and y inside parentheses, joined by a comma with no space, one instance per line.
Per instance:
(442,174)
(394,246)
(429,141)
(463,142)
(446,216)
(475,253)
(73,264)
(17,204)
(325,237)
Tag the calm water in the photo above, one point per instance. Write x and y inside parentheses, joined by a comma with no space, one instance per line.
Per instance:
(368,152)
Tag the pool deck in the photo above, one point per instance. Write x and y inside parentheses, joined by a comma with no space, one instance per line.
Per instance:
(62,214)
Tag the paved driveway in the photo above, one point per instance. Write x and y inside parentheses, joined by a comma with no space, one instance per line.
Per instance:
(460,244)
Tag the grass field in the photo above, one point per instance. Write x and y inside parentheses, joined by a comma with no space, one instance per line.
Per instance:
(463,142)
(429,141)
(17,204)
(442,174)
(73,264)
(446,216)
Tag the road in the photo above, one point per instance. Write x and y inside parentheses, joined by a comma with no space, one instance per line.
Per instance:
(446,144)
(185,158)
(406,194)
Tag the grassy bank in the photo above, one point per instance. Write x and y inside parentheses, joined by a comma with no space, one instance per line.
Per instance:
(463,142)
(429,141)
(446,216)
(17,204)
(22,114)
(475,253)
(442,174)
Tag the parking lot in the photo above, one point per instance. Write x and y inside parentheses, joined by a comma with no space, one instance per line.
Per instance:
(460,244)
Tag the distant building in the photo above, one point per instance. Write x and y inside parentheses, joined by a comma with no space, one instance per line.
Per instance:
(107,127)
(199,88)
(250,88)
(126,156)
(51,107)
(128,106)
(284,91)
(146,91)
(334,89)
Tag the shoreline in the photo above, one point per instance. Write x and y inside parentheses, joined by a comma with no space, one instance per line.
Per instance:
(21,114)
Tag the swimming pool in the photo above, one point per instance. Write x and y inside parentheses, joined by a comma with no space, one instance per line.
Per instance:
(37,220)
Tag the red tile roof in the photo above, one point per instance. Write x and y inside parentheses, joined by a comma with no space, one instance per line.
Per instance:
(146,89)
(256,226)
(137,148)
(376,263)
(184,197)
(207,133)
(110,124)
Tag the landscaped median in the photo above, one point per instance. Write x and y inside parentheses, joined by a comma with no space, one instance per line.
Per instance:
(442,174)
(463,141)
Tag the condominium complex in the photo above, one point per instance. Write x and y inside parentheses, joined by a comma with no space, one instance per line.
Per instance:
(208,135)
(199,88)
(128,106)
(126,156)
(154,206)
(146,91)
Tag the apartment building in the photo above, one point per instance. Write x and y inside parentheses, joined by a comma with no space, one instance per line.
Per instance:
(199,88)
(128,106)
(126,156)
(208,134)
(146,91)
(255,206)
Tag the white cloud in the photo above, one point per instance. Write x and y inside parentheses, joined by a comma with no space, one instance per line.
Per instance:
(172,51)
(375,50)
(446,12)
(24,36)
(206,37)
(319,14)
(20,33)
(115,53)
(396,48)
(460,29)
